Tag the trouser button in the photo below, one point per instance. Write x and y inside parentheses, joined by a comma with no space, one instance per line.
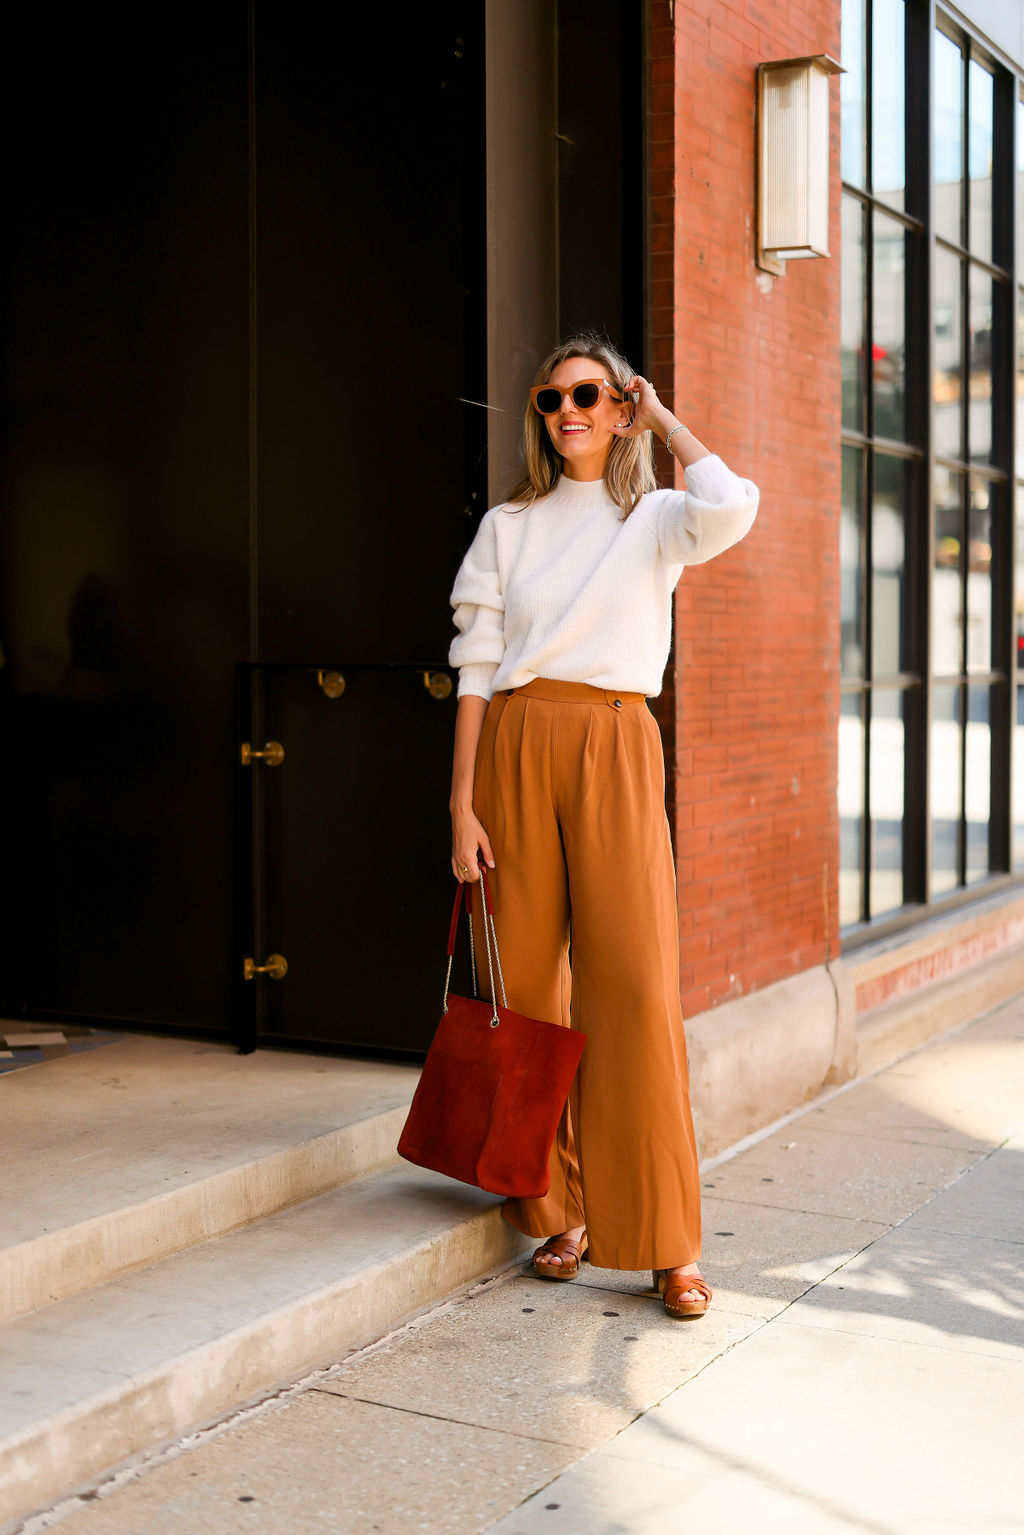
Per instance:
(618,703)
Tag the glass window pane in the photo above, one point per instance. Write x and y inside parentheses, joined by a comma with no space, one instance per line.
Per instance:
(979,577)
(851,808)
(1018,729)
(979,780)
(888,567)
(1020,191)
(979,378)
(1020,384)
(888,176)
(851,566)
(945,760)
(1018,780)
(1018,580)
(949,139)
(852,93)
(852,310)
(886,770)
(947,581)
(948,424)
(887,355)
(979,131)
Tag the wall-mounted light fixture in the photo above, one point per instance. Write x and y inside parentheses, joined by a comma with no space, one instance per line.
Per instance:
(792,159)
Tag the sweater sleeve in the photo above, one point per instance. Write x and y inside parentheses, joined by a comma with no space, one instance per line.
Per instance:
(716,510)
(479,606)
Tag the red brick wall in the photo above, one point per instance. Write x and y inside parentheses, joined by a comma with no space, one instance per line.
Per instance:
(658,362)
(754,362)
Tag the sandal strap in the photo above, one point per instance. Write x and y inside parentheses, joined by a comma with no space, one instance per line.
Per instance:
(562,1247)
(678,1288)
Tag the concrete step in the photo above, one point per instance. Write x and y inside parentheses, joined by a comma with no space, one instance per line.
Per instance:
(127,1153)
(148,1355)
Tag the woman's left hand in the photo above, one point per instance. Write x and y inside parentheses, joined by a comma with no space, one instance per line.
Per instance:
(648,415)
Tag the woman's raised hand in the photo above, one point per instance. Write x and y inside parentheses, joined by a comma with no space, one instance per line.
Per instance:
(470,843)
(649,415)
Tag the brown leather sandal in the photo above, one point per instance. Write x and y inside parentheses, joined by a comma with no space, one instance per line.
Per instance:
(564,1248)
(673,1291)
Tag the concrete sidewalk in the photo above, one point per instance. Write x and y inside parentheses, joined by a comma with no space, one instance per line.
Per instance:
(861,1369)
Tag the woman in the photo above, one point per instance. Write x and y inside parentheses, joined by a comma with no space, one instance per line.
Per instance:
(564,610)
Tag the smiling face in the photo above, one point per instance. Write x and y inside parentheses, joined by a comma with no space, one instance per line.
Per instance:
(582,437)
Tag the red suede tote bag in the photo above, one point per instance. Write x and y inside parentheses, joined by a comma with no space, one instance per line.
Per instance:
(494,1083)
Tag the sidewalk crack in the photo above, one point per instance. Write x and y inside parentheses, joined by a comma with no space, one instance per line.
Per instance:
(441,1417)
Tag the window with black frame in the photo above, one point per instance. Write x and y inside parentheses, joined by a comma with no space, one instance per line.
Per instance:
(926,638)
(969,662)
(882,244)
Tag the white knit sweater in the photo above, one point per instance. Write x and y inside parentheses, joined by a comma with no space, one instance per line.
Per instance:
(566,589)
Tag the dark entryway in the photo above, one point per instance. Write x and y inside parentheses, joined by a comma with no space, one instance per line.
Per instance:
(246,300)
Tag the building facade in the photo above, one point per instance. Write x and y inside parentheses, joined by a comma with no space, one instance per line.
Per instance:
(264,370)
(849,796)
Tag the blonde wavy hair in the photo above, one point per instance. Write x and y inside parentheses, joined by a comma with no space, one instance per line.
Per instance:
(629,467)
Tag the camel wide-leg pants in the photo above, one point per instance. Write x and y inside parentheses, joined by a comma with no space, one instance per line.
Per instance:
(570,788)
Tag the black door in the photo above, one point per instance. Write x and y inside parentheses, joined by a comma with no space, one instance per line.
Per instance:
(244,292)
(350,867)
(369,316)
(123,506)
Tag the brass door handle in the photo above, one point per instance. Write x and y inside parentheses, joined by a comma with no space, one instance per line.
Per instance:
(437,684)
(333,683)
(276,967)
(272,754)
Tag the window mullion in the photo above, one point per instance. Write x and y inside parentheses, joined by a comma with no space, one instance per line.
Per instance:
(962,828)
(965,158)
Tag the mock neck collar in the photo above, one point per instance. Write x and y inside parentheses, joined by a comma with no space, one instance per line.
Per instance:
(582,492)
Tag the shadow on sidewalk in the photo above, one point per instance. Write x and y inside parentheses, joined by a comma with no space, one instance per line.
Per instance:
(955,1265)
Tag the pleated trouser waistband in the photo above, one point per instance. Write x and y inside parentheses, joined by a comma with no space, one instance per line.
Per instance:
(557,692)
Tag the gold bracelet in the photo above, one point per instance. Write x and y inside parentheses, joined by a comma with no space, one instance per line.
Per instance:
(677,428)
